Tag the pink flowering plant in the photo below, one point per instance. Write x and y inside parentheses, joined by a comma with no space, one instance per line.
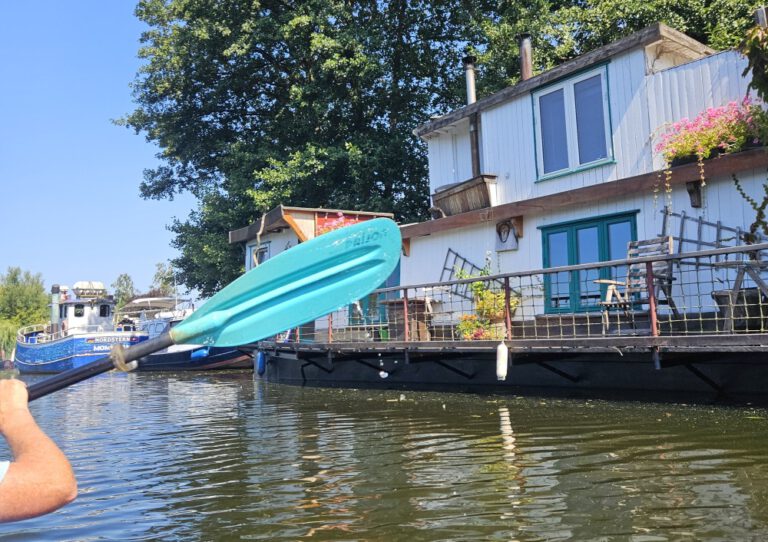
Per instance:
(717,130)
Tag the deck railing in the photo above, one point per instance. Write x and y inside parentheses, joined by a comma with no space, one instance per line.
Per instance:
(713,292)
(39,333)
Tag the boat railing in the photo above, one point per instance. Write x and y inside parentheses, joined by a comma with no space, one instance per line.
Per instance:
(717,292)
(41,333)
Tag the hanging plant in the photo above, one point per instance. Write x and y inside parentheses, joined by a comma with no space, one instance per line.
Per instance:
(716,130)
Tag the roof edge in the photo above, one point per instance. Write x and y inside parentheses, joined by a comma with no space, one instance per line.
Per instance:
(650,34)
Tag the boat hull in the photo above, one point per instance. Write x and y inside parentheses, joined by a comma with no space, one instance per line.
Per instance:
(197,359)
(69,352)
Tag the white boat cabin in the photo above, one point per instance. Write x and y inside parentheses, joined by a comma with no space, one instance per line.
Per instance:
(86,307)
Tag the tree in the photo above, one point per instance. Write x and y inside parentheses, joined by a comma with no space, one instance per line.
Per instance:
(310,103)
(164,282)
(123,289)
(23,302)
(562,29)
(23,299)
(313,102)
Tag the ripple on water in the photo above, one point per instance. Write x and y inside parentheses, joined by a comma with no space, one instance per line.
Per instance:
(219,457)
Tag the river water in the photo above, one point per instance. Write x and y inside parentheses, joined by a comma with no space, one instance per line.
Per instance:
(208,457)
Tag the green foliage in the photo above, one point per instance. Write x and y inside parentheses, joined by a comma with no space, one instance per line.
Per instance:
(23,299)
(489,307)
(561,30)
(313,103)
(305,103)
(123,289)
(473,328)
(23,302)
(760,222)
(8,331)
(163,282)
(755,48)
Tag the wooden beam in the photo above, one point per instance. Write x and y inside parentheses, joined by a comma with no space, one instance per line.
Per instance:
(722,166)
(295,227)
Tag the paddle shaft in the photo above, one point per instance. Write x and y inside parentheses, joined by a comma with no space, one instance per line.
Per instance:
(101,365)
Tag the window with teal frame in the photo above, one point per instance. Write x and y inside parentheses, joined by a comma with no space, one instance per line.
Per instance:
(585,241)
(572,124)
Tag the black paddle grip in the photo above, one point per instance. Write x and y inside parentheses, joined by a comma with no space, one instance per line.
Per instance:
(101,365)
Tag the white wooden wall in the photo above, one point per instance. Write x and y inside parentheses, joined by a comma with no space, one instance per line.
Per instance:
(278,242)
(449,157)
(640,107)
(687,90)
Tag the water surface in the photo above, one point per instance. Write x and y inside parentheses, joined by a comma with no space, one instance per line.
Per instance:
(204,457)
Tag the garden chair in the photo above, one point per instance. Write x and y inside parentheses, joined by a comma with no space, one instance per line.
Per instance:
(632,293)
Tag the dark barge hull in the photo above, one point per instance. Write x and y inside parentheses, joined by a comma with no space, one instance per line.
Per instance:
(216,358)
(676,368)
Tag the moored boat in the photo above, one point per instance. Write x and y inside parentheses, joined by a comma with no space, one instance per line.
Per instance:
(80,331)
(156,315)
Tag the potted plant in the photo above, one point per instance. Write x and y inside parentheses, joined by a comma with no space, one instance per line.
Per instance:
(472,328)
(717,130)
(488,320)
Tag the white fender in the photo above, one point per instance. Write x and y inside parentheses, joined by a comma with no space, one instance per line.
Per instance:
(502,359)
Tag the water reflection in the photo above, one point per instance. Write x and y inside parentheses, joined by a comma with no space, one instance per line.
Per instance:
(219,457)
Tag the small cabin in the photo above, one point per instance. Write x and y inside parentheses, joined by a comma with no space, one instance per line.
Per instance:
(283,227)
(84,307)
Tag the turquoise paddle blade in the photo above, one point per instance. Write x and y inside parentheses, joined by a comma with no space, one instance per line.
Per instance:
(301,284)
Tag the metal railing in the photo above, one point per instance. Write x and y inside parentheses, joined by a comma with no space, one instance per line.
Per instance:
(712,292)
(40,333)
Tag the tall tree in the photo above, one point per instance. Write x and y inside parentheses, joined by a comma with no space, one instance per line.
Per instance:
(123,289)
(163,282)
(563,29)
(313,102)
(23,302)
(303,102)
(23,299)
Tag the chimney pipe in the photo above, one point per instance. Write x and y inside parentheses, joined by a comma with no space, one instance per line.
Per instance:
(526,56)
(761,16)
(469,75)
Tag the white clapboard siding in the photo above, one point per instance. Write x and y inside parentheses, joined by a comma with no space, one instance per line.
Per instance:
(450,159)
(687,90)
(508,139)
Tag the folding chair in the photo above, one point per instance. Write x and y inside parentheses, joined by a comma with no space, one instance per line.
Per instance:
(633,292)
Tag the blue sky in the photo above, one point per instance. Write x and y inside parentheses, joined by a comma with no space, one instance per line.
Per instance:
(69,178)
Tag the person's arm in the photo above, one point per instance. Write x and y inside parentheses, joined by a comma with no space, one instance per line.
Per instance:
(40,478)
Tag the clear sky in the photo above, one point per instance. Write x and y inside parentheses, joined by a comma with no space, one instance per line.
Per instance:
(69,178)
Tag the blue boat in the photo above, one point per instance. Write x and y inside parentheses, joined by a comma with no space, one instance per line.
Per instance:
(81,330)
(156,315)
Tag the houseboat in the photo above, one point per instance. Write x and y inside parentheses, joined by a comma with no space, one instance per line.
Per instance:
(157,315)
(80,331)
(566,249)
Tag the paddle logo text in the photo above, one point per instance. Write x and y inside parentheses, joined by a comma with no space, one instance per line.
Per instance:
(365,238)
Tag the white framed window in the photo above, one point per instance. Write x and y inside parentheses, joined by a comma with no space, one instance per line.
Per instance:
(256,255)
(572,124)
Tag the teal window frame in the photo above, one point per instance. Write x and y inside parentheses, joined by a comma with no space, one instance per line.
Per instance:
(567,85)
(602,223)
